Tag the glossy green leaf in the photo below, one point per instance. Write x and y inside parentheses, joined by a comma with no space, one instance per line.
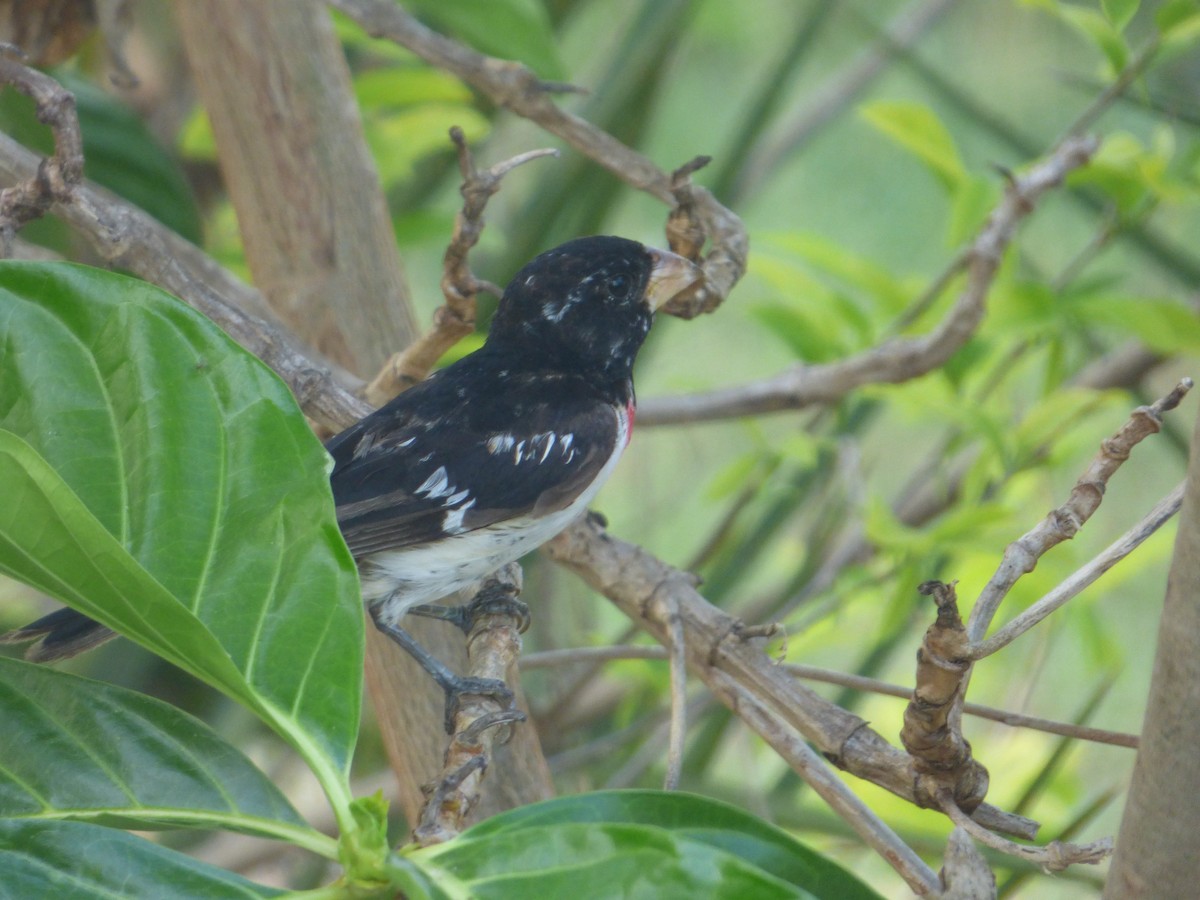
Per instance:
(79,861)
(121,758)
(163,481)
(635,843)
(917,129)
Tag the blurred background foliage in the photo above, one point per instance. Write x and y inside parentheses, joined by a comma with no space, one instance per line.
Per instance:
(863,143)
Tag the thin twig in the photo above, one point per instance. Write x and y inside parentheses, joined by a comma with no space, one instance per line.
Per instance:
(1082,577)
(1054,857)
(1064,522)
(516,88)
(898,359)
(552,658)
(772,727)
(678,731)
(456,318)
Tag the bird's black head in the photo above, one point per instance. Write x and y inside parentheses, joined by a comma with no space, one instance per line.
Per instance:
(588,304)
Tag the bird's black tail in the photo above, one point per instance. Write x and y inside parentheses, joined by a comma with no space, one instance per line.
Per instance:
(63,633)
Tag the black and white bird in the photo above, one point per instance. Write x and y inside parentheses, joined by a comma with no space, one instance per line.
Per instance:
(493,455)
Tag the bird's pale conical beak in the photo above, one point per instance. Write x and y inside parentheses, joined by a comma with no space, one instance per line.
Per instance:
(671,276)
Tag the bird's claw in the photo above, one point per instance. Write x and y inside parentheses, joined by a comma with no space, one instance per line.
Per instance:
(492,688)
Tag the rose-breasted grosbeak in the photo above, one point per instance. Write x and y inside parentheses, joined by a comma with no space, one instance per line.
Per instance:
(491,456)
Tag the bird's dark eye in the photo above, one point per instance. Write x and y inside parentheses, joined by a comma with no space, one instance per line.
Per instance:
(618,285)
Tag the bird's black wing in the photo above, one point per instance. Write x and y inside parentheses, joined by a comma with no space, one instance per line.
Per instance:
(472,446)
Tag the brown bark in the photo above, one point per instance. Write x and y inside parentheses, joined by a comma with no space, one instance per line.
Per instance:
(1158,847)
(316,230)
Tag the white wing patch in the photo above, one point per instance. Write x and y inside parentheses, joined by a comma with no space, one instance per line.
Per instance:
(436,485)
(535,449)
(453,523)
(500,443)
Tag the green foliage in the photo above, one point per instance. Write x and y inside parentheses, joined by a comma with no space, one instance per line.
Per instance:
(78,861)
(169,527)
(123,759)
(634,843)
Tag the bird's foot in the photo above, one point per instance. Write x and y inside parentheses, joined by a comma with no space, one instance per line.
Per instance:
(461,687)
(495,598)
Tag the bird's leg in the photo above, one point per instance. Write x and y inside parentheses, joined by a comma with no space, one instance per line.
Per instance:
(455,686)
(497,597)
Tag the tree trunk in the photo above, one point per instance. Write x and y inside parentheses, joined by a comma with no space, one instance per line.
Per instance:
(1158,847)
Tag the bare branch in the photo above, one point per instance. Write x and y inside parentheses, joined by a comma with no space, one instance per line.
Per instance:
(575,655)
(516,88)
(898,359)
(1063,523)
(456,318)
(1054,857)
(772,727)
(1082,577)
(56,176)
(493,647)
(640,585)
(678,731)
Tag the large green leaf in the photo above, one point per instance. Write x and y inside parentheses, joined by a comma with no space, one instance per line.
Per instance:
(163,481)
(121,758)
(634,843)
(78,861)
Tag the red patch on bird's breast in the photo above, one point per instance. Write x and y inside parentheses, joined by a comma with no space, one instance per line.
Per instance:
(630,415)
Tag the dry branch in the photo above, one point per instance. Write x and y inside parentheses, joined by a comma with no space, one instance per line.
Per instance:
(941,754)
(1062,524)
(898,359)
(56,176)
(1054,857)
(573,656)
(494,644)
(456,318)
(641,586)
(516,88)
(1082,577)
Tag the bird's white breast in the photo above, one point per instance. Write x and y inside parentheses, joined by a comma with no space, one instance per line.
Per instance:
(400,579)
